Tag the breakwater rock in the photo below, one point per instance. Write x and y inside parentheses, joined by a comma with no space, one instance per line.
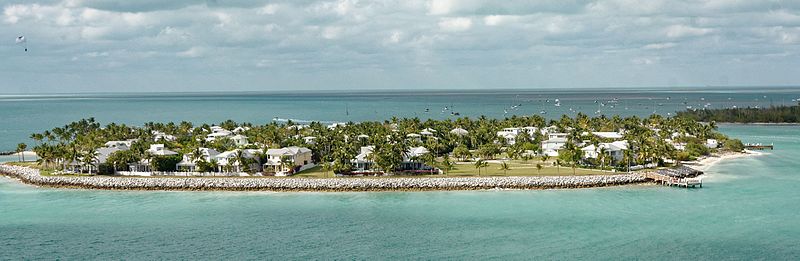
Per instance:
(33,177)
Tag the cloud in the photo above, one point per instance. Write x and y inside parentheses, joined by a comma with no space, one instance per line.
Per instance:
(456,24)
(420,43)
(680,31)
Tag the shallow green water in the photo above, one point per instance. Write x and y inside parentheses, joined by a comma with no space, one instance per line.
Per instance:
(747,210)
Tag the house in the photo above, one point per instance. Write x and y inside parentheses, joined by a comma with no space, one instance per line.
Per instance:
(155,150)
(228,161)
(613,149)
(427,132)
(239,140)
(189,164)
(414,137)
(309,140)
(607,135)
(557,135)
(363,163)
(240,129)
(300,158)
(217,135)
(510,134)
(551,146)
(159,150)
(121,144)
(712,143)
(459,132)
(158,136)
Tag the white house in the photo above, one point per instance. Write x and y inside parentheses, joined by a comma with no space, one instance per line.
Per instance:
(160,150)
(241,129)
(158,136)
(551,146)
(607,135)
(155,150)
(510,134)
(239,140)
(309,140)
(121,144)
(557,135)
(410,162)
(189,164)
(459,132)
(712,143)
(229,158)
(613,149)
(299,156)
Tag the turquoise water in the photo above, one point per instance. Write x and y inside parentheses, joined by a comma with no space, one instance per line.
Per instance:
(747,210)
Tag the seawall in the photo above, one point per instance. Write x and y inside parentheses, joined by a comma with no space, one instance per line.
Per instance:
(33,177)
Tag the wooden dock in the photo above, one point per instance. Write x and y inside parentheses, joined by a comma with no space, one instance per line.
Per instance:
(759,146)
(674,181)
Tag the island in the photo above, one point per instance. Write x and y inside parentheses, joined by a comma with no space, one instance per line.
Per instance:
(519,152)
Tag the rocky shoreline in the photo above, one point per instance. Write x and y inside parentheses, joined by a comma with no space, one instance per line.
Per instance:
(32,177)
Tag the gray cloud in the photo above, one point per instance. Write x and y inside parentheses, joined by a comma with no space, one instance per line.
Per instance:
(90,45)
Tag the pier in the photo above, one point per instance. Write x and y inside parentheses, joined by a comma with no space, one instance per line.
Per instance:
(678,177)
(758,146)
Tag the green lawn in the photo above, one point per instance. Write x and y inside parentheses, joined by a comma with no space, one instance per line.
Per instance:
(519,168)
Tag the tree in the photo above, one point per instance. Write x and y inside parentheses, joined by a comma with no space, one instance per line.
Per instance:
(539,168)
(327,167)
(504,167)
(735,145)
(21,150)
(544,157)
(89,158)
(480,163)
(287,163)
(462,153)
(121,159)
(446,165)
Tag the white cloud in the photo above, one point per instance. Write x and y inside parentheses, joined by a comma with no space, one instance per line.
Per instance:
(494,20)
(331,32)
(680,31)
(455,24)
(268,9)
(440,7)
(659,46)
(193,52)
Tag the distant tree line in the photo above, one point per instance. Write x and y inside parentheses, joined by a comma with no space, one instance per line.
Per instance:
(775,114)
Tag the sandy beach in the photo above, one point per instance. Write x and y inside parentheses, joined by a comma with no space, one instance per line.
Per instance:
(705,163)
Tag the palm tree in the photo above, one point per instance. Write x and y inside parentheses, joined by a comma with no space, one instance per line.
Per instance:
(504,167)
(544,157)
(326,167)
(89,158)
(480,163)
(558,166)
(446,165)
(21,150)
(539,168)
(287,162)
(239,159)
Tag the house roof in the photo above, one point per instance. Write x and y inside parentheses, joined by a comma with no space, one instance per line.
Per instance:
(288,151)
(607,135)
(459,131)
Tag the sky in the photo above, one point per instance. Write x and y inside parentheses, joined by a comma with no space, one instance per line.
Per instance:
(237,45)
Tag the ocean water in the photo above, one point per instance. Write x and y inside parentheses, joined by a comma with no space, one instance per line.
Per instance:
(746,210)
(25,114)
